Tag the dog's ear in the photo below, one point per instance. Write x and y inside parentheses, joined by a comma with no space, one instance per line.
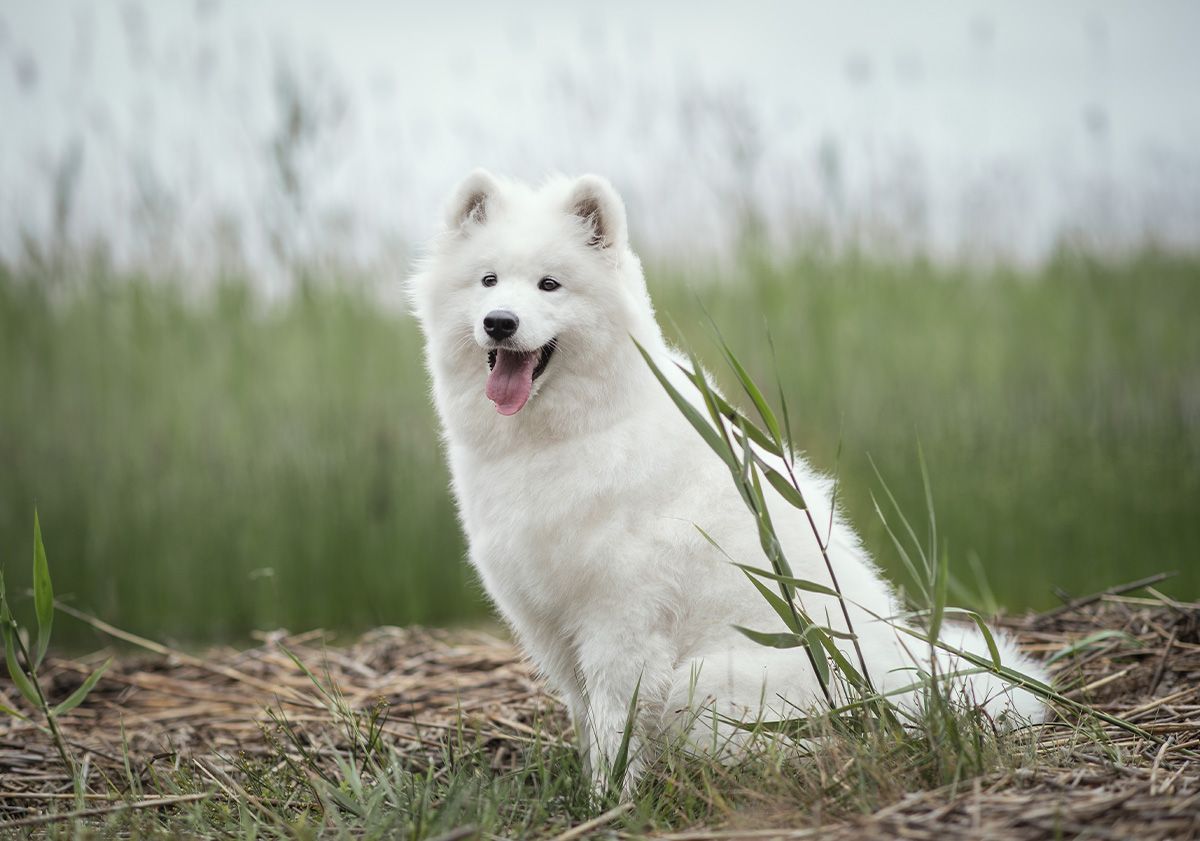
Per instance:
(601,210)
(473,199)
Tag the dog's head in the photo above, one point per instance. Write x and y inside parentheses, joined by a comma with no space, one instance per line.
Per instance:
(527,285)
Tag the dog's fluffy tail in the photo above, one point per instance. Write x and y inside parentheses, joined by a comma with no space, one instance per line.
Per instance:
(1004,702)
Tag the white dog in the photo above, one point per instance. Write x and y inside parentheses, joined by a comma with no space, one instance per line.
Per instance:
(580,485)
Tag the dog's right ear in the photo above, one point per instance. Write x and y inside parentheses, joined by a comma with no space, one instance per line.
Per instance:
(472,201)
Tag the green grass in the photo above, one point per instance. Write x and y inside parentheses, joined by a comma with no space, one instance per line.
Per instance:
(1059,410)
(208,465)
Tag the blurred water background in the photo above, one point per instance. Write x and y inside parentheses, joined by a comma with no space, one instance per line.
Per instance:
(976,227)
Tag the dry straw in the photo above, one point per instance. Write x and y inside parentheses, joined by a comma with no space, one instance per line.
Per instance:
(1137,658)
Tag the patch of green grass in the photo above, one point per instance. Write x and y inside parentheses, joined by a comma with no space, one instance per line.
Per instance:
(211,469)
(1058,409)
(209,464)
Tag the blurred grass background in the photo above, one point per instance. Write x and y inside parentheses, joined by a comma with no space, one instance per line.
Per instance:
(208,465)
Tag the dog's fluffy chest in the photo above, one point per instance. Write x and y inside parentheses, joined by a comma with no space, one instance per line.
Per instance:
(553,525)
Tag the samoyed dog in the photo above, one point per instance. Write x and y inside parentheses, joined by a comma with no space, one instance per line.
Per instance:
(580,487)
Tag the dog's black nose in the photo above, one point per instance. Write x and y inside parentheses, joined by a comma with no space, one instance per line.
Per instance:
(500,324)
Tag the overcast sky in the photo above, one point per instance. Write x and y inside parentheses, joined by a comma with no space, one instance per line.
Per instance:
(953,127)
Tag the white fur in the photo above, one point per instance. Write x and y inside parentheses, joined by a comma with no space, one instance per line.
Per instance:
(579,509)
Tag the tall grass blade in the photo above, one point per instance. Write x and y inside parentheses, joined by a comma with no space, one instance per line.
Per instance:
(833,494)
(781,483)
(913,573)
(923,682)
(8,629)
(1090,641)
(76,698)
(778,604)
(921,579)
(747,469)
(734,416)
(784,487)
(709,397)
(845,667)
(329,695)
(797,583)
(713,542)
(690,412)
(783,407)
(990,604)
(774,640)
(621,761)
(7,710)
(927,486)
(748,385)
(43,594)
(941,580)
(937,565)
(15,672)
(988,638)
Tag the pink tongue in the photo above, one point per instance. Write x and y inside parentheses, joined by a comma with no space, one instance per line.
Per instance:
(511,380)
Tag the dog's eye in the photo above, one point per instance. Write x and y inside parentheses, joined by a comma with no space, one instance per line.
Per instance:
(489,279)
(548,284)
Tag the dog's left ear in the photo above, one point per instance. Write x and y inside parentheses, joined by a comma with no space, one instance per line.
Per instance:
(601,210)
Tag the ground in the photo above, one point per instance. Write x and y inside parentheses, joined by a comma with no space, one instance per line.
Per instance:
(187,742)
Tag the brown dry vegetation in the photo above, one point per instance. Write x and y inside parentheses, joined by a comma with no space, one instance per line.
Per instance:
(228,719)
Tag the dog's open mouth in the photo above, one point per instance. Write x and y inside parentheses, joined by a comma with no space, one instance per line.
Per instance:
(512,374)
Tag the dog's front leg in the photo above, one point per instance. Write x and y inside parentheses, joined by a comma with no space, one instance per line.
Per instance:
(616,663)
